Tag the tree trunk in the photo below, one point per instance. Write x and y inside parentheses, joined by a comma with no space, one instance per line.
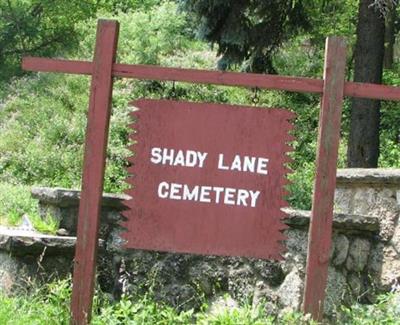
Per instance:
(389,37)
(363,146)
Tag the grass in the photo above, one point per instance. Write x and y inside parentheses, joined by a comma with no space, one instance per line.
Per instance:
(50,303)
(16,201)
(385,311)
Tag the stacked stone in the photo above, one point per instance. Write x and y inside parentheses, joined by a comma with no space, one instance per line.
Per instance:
(375,192)
(364,258)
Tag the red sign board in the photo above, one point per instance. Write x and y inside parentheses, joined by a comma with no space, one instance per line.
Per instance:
(207,179)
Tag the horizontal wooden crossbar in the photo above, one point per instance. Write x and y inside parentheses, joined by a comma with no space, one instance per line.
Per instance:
(151,72)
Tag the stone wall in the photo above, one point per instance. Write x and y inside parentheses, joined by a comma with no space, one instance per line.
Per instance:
(27,257)
(364,258)
(376,193)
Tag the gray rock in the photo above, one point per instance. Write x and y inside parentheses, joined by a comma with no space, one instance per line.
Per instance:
(367,225)
(341,249)
(290,293)
(297,242)
(209,278)
(390,271)
(335,290)
(241,282)
(62,232)
(343,200)
(21,273)
(20,243)
(66,197)
(387,210)
(26,224)
(381,176)
(180,296)
(9,273)
(358,255)
(375,259)
(395,241)
(348,221)
(264,294)
(356,285)
(364,200)
(268,271)
(115,242)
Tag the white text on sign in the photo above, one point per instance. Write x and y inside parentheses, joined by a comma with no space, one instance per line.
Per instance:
(205,193)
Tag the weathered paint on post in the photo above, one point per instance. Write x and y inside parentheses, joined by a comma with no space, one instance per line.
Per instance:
(93,171)
(320,232)
(208,179)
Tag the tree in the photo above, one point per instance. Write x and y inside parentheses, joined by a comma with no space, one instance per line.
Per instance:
(247,31)
(363,145)
(38,27)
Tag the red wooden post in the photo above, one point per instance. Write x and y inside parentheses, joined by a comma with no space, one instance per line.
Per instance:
(320,233)
(93,171)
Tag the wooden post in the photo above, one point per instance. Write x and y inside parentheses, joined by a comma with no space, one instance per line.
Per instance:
(319,244)
(93,171)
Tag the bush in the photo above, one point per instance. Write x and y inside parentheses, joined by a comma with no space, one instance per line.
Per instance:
(43,119)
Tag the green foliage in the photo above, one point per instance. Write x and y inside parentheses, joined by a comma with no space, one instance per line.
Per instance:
(390,125)
(146,37)
(43,128)
(141,311)
(50,304)
(308,62)
(247,30)
(333,17)
(43,119)
(301,187)
(116,6)
(385,311)
(38,27)
(389,153)
(46,305)
(47,225)
(16,201)
(244,315)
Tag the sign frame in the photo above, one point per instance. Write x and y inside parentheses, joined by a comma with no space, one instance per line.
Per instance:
(103,69)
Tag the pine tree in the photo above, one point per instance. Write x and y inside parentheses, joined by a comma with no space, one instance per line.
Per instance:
(247,31)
